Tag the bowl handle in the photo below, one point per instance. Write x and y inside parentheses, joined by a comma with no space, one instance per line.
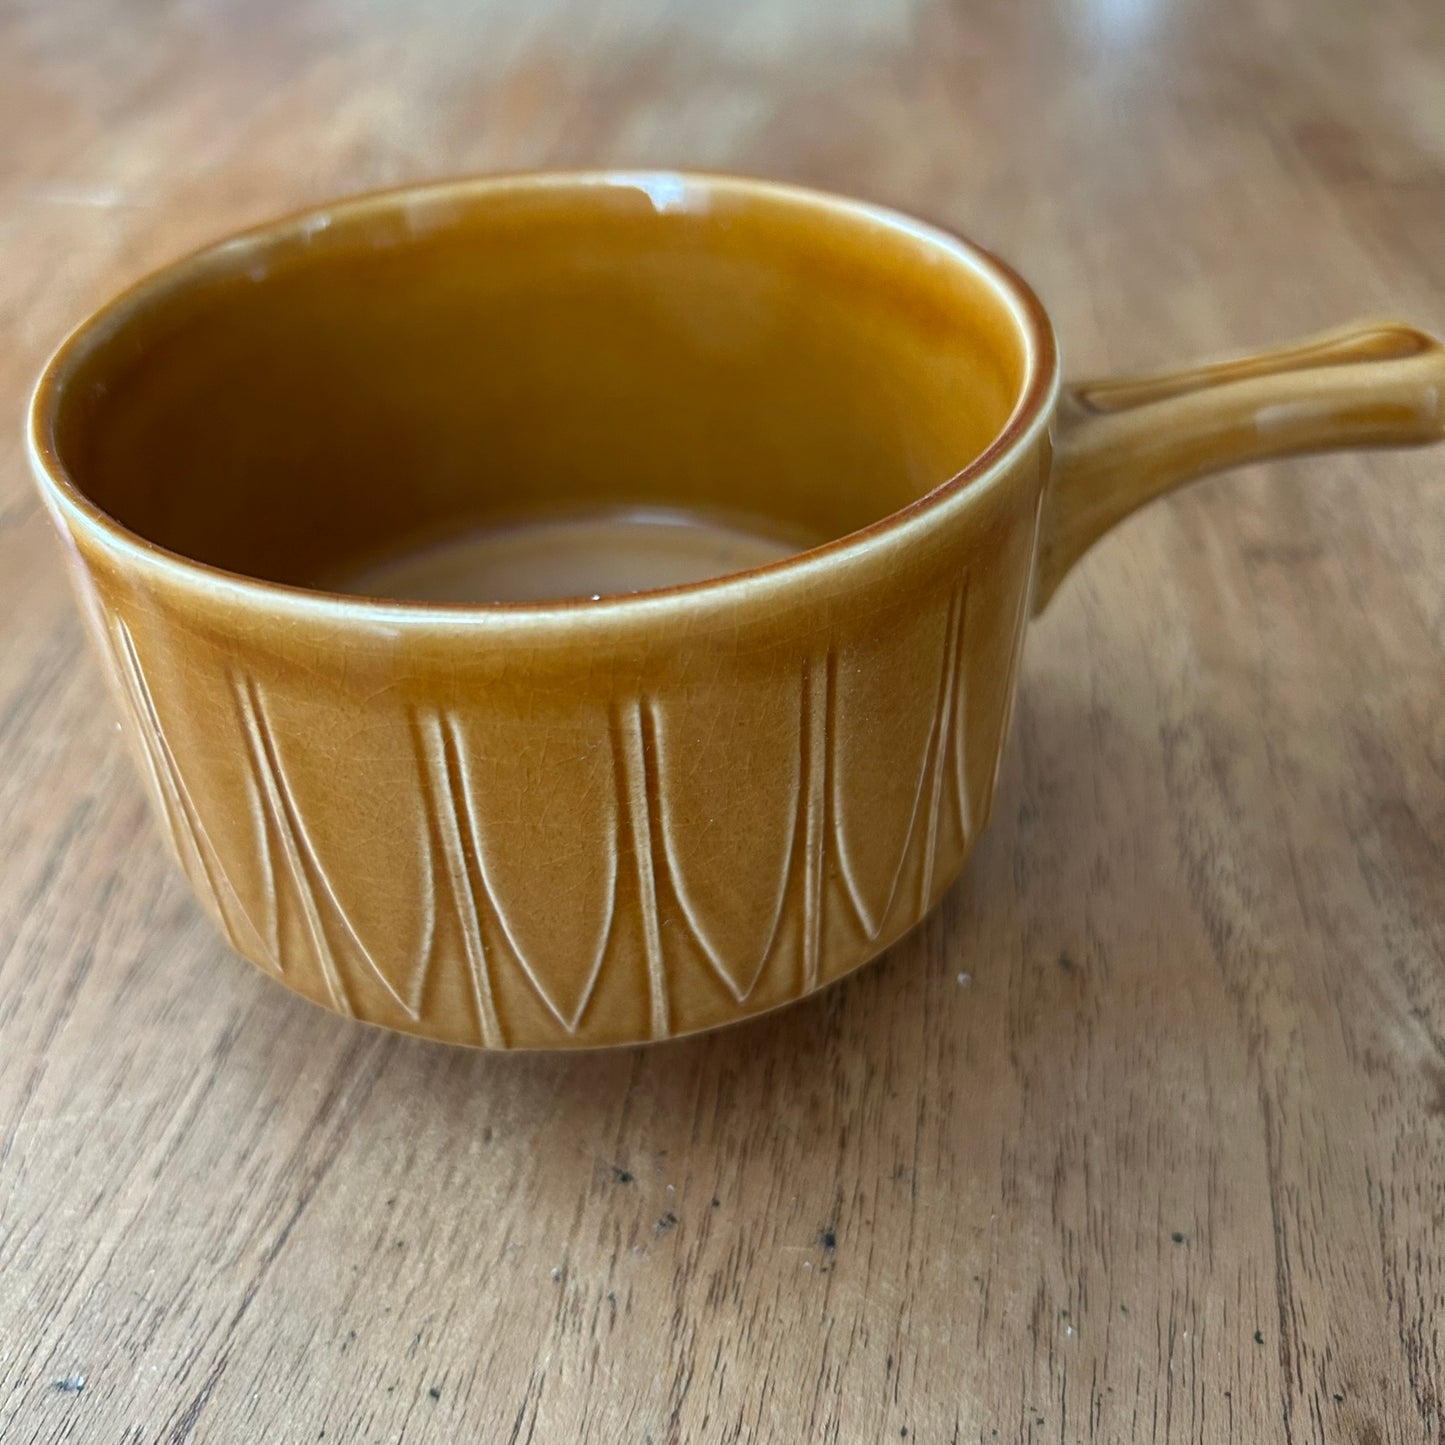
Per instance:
(1119,443)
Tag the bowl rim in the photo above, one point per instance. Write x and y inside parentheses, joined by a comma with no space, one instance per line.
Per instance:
(1032,410)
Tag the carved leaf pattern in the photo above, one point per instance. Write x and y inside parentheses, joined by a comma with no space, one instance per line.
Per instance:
(188,834)
(858,777)
(356,936)
(729,865)
(884,736)
(542,828)
(171,799)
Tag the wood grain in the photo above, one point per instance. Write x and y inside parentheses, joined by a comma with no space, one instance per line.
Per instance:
(1140,1137)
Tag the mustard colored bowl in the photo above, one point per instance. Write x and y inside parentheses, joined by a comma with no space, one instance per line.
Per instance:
(601,819)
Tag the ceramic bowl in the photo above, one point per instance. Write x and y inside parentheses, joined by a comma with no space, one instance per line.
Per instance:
(604,811)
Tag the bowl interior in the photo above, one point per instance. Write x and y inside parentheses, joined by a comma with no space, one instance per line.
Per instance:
(553,371)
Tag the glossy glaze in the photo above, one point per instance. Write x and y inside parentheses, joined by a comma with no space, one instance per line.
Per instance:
(1127,439)
(597,822)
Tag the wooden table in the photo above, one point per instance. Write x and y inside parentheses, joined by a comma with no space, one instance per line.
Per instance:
(1142,1136)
